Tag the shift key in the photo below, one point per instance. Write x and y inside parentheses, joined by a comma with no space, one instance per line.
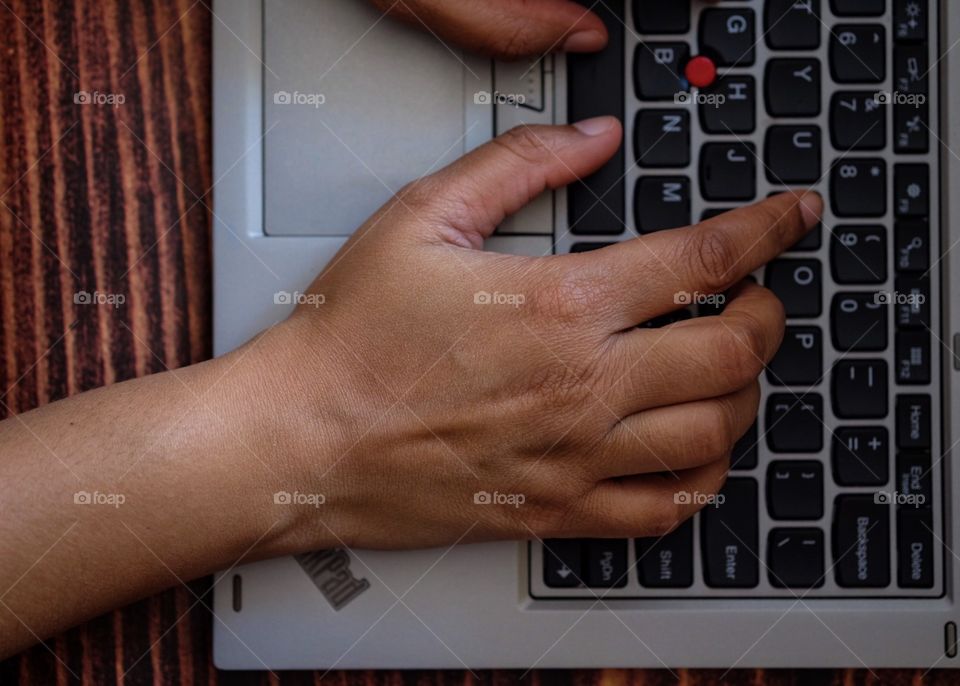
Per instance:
(730,536)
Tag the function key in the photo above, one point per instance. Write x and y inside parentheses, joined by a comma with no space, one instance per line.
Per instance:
(911,246)
(657,70)
(606,560)
(795,558)
(858,323)
(728,171)
(791,87)
(728,35)
(858,53)
(736,112)
(857,121)
(915,548)
(913,357)
(860,389)
(792,154)
(910,69)
(798,285)
(858,187)
(652,16)
(913,481)
(910,20)
(860,456)
(661,138)
(667,562)
(912,302)
(858,254)
(795,489)
(795,423)
(913,422)
(911,190)
(729,537)
(792,24)
(799,361)
(911,128)
(861,542)
(857,8)
(662,202)
(561,563)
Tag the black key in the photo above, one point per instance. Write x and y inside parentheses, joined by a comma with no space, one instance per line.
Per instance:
(913,357)
(795,423)
(653,16)
(658,70)
(562,563)
(729,537)
(861,542)
(728,36)
(667,562)
(587,247)
(795,489)
(858,187)
(713,212)
(860,456)
(858,254)
(791,87)
(728,171)
(911,247)
(911,128)
(912,302)
(661,138)
(915,549)
(594,88)
(913,481)
(857,8)
(792,154)
(857,121)
(745,450)
(858,53)
(795,558)
(860,389)
(799,361)
(792,25)
(661,202)
(858,323)
(606,563)
(798,285)
(910,20)
(911,190)
(737,112)
(913,422)
(910,80)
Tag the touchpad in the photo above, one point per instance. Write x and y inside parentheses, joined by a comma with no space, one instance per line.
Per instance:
(355,105)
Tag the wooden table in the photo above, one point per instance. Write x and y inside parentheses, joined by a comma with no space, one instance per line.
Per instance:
(111,194)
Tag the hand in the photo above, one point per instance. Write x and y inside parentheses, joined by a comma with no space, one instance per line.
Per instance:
(507,29)
(408,391)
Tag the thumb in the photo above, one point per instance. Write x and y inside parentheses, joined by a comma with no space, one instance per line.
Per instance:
(507,29)
(468,199)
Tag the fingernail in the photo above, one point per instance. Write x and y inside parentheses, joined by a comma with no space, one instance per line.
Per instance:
(811,207)
(595,126)
(585,41)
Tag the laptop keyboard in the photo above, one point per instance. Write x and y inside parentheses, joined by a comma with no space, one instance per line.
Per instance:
(836,491)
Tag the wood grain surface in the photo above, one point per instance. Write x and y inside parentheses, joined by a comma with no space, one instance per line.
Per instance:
(109,195)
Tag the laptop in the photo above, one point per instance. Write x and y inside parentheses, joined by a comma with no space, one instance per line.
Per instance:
(833,543)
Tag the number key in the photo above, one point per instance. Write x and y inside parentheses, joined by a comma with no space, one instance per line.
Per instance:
(858,254)
(858,53)
(858,322)
(858,187)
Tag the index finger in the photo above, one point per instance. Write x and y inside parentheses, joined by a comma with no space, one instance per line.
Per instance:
(652,271)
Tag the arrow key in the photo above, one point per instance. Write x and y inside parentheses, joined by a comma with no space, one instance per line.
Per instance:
(562,563)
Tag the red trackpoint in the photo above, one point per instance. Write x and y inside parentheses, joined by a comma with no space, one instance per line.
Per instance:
(700,71)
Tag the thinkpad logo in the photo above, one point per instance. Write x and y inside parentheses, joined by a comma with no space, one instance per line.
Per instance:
(330,572)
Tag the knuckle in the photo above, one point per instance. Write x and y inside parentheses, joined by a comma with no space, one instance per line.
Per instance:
(664,518)
(714,253)
(569,296)
(524,143)
(740,346)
